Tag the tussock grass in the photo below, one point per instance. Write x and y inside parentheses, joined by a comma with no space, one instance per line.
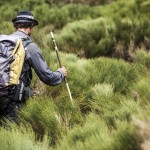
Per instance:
(92,135)
(41,114)
(142,58)
(21,138)
(112,106)
(142,90)
(126,137)
(87,37)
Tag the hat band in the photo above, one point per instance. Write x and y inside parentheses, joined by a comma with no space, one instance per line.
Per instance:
(25,16)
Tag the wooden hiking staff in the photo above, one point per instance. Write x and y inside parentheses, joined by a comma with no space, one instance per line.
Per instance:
(58,57)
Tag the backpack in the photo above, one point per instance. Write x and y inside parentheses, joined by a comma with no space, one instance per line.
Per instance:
(12,56)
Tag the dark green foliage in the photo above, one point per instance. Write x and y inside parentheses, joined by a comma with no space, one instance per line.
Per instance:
(101,37)
(92,135)
(111,106)
(88,38)
(21,138)
(116,72)
(126,138)
(142,32)
(47,118)
(95,135)
(41,115)
(142,58)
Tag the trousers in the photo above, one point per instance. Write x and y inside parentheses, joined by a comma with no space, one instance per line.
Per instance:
(9,108)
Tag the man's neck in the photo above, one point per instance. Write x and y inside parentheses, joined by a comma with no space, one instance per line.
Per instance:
(26,31)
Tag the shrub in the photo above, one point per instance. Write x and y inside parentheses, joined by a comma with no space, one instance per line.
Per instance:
(95,135)
(50,119)
(111,106)
(126,137)
(142,58)
(6,28)
(116,72)
(124,30)
(145,6)
(92,37)
(21,138)
(92,135)
(41,114)
(141,31)
(142,90)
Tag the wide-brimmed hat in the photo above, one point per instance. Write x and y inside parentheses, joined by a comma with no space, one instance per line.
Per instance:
(25,17)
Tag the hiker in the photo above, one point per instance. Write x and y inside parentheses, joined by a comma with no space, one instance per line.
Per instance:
(9,101)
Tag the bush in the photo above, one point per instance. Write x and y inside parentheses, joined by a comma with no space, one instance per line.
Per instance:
(46,118)
(111,106)
(145,6)
(116,72)
(141,31)
(6,28)
(95,135)
(142,90)
(103,35)
(126,137)
(142,58)
(91,37)
(41,114)
(21,138)
(92,135)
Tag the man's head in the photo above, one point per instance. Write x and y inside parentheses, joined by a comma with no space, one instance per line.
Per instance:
(25,20)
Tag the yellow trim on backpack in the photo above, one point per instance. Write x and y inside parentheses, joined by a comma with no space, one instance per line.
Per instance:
(17,64)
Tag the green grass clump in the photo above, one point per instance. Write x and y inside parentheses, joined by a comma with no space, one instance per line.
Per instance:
(126,137)
(142,90)
(92,135)
(142,58)
(50,117)
(115,72)
(111,106)
(41,115)
(90,37)
(21,138)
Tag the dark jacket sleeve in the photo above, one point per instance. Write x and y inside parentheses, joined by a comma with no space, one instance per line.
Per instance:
(41,68)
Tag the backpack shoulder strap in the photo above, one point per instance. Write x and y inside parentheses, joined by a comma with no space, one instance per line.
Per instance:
(26,41)
(13,38)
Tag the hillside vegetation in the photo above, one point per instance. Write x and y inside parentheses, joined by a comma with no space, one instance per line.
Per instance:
(104,45)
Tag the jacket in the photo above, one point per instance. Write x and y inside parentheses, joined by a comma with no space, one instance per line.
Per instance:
(35,60)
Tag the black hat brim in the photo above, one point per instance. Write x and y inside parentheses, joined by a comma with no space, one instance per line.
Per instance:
(25,20)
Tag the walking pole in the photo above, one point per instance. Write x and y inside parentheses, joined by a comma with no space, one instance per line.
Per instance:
(58,57)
